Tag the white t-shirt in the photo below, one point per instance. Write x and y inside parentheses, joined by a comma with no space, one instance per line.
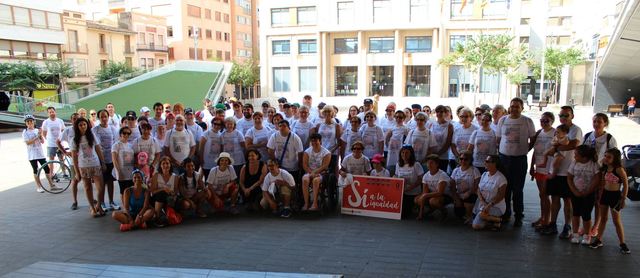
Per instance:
(282,175)
(543,143)
(34,151)
(290,159)
(212,148)
(115,121)
(600,143)
(232,143)
(575,133)
(244,124)
(108,135)
(461,137)
(154,124)
(410,174)
(171,184)
(179,143)
(489,187)
(356,166)
(421,141)
(218,178)
(135,134)
(515,134)
(398,134)
(87,156)
(384,173)
(195,130)
(432,181)
(67,136)
(328,133)
(126,159)
(484,144)
(349,137)
(53,128)
(464,179)
(259,136)
(440,132)
(150,146)
(315,158)
(373,139)
(303,131)
(583,174)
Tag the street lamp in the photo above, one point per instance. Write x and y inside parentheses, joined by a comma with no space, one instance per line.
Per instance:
(194,34)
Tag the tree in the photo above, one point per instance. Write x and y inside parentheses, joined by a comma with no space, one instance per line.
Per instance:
(555,59)
(490,54)
(244,75)
(59,71)
(21,77)
(516,78)
(107,76)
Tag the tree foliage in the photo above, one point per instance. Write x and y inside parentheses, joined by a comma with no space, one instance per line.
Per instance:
(113,70)
(554,60)
(58,71)
(23,77)
(244,74)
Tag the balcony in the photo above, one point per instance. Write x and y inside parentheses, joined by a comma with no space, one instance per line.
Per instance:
(80,48)
(128,49)
(152,47)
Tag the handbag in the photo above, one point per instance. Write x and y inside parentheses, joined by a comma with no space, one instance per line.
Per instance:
(173,217)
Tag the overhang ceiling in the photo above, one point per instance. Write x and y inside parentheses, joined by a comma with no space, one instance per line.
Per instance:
(622,59)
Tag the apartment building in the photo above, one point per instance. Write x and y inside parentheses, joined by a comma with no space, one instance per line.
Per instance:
(152,50)
(30,32)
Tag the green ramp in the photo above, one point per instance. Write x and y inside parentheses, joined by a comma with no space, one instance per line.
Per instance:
(187,82)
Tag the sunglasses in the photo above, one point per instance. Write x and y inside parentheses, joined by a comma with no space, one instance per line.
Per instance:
(544,121)
(220,124)
(563,115)
(93,114)
(478,114)
(357,149)
(420,120)
(464,116)
(427,111)
(126,133)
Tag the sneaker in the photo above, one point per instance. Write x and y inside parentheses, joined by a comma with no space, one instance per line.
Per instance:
(125,227)
(104,207)
(54,188)
(596,244)
(506,219)
(517,222)
(624,249)
(114,206)
(566,232)
(575,238)
(74,206)
(586,240)
(234,210)
(39,190)
(551,229)
(286,213)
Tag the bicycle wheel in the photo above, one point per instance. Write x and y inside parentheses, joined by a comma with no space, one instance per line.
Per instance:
(61,177)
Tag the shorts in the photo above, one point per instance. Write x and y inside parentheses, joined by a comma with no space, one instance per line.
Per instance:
(611,199)
(107,176)
(583,206)
(541,176)
(160,197)
(558,186)
(481,223)
(90,172)
(34,165)
(124,185)
(53,151)
(227,195)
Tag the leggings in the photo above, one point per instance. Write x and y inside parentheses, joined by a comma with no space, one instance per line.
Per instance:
(34,165)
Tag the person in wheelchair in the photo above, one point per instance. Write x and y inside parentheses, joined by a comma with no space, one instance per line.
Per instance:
(277,184)
(315,162)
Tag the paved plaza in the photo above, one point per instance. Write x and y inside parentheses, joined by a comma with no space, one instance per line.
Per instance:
(37,228)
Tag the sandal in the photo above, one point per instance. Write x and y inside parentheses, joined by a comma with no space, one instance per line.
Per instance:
(536,223)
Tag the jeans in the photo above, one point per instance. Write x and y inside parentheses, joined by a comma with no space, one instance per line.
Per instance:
(515,170)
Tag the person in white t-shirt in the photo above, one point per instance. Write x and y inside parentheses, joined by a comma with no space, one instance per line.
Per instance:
(394,140)
(353,112)
(179,143)
(350,136)
(411,171)
(498,112)
(442,130)
(491,196)
(233,143)
(51,128)
(33,139)
(315,162)
(157,117)
(258,136)
(123,161)
(372,135)
(464,180)
(192,126)
(88,162)
(539,172)
(286,147)
(277,183)
(515,132)
(66,139)
(211,146)
(302,127)
(192,189)
(108,135)
(482,142)
(222,184)
(355,163)
(583,178)
(422,139)
(378,167)
(462,134)
(114,119)
(435,189)
(247,122)
(147,144)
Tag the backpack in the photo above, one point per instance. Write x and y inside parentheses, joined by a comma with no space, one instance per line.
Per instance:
(586,136)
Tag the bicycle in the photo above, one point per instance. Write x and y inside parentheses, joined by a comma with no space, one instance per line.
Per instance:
(61,174)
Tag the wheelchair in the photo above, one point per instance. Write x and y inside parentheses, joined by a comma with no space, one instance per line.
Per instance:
(327,197)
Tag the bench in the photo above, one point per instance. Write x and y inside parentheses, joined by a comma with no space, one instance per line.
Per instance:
(614,109)
(540,104)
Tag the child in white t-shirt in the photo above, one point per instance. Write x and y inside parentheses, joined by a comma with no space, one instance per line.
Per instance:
(561,138)
(583,178)
(378,169)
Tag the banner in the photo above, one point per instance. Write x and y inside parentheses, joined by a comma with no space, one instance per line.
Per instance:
(373,197)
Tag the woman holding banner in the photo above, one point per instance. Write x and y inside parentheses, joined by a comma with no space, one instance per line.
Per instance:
(411,171)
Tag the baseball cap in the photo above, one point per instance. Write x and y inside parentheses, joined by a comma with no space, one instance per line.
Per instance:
(188,111)
(391,106)
(131,114)
(296,105)
(416,106)
(220,106)
(485,107)
(368,101)
(286,105)
(266,104)
(321,105)
(233,99)
(144,109)
(29,117)
(199,114)
(282,100)
(377,158)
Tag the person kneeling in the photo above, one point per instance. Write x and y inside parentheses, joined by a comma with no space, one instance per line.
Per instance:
(491,191)
(191,188)
(435,183)
(222,184)
(277,183)
(137,210)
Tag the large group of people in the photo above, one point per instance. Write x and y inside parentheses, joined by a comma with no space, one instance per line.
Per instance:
(232,157)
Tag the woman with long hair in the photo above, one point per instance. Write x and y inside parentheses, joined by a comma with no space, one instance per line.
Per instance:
(89,163)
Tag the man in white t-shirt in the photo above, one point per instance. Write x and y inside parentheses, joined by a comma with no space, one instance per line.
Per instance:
(278,182)
(192,126)
(51,128)
(313,111)
(179,143)
(114,119)
(515,133)
(288,156)
(558,186)
(157,117)
(246,122)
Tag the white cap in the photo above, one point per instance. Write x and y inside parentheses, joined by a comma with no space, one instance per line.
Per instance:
(144,109)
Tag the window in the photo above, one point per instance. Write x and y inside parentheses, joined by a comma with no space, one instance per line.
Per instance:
(127,44)
(170,31)
(21,16)
(160,62)
(281,77)
(207,13)
(36,50)
(455,40)
(459,80)
(345,45)
(128,61)
(418,10)
(346,81)
(218,16)
(417,44)
(218,35)
(73,41)
(193,11)
(279,17)
(381,80)
(496,8)
(160,40)
(209,54)
(103,64)
(524,40)
(38,19)
(306,15)
(525,21)
(418,81)
(307,79)
(381,11)
(80,66)
(226,36)
(5,48)
(242,20)
(150,63)
(219,55)
(227,55)
(226,18)
(20,49)
(208,32)
(54,20)
(192,53)
(461,8)
(381,45)
(307,46)
(143,63)
(52,51)
(345,12)
(102,43)
(280,47)
(152,39)
(489,83)
(5,14)
(142,38)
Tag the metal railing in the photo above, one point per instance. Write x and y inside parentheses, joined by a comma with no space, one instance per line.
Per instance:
(81,48)
(154,47)
(22,105)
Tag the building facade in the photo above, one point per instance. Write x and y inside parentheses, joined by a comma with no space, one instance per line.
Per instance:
(152,50)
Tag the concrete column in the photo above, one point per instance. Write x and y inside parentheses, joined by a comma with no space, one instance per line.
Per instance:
(398,69)
(323,66)
(363,75)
